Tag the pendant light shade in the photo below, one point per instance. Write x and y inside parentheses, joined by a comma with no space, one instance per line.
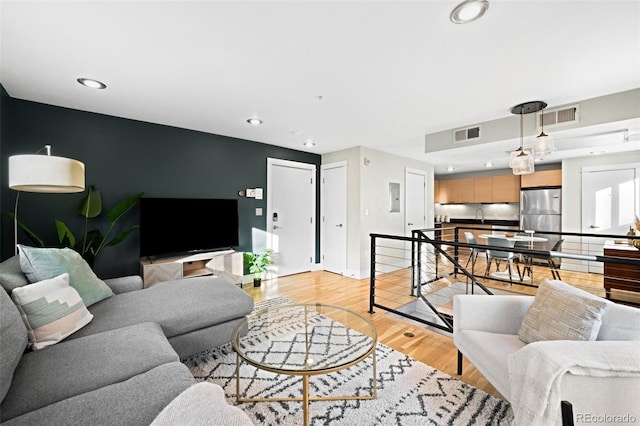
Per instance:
(523,163)
(45,173)
(543,144)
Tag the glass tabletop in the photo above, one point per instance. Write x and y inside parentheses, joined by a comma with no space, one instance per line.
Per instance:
(305,339)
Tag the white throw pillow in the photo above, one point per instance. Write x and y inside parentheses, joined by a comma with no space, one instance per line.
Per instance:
(51,310)
(562,312)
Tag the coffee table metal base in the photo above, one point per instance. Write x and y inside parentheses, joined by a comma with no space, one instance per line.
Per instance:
(305,398)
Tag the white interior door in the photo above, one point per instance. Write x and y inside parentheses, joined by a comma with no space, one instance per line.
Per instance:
(334,217)
(609,203)
(291,201)
(414,200)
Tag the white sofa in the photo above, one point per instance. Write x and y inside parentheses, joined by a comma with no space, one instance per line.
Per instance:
(599,378)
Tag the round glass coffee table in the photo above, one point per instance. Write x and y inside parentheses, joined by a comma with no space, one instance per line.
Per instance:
(305,340)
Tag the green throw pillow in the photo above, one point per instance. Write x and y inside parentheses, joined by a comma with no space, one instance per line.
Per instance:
(43,263)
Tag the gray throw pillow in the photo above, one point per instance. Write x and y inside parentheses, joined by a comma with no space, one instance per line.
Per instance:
(40,264)
(13,341)
(562,312)
(11,275)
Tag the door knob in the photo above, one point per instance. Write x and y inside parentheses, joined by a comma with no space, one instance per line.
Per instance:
(339,226)
(276,227)
(594,226)
(410,224)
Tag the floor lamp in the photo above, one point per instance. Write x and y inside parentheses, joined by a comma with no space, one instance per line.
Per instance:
(43,173)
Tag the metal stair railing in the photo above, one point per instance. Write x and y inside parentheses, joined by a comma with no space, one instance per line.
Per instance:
(422,260)
(405,270)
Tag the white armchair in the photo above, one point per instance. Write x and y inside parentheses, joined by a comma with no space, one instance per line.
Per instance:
(599,378)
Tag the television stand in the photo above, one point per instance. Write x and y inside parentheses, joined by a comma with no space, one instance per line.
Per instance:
(225,263)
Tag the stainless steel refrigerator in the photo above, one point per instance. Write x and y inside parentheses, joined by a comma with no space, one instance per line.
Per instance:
(540,210)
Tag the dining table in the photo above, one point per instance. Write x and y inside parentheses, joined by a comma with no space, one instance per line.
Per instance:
(528,238)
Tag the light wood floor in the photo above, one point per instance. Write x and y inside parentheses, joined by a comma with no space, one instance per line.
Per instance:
(431,348)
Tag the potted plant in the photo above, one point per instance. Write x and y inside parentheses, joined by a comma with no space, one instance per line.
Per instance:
(258,263)
(93,241)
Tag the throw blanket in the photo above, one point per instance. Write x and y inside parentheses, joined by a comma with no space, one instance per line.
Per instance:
(536,370)
(202,404)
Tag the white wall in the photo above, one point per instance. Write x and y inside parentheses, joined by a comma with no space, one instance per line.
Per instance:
(368,198)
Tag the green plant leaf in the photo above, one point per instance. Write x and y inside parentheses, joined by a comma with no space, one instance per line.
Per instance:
(65,233)
(93,240)
(32,235)
(123,207)
(120,238)
(91,205)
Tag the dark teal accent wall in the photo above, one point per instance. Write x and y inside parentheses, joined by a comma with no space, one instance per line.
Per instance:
(4,137)
(123,157)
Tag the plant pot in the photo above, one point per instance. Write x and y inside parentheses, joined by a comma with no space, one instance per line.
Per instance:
(257,282)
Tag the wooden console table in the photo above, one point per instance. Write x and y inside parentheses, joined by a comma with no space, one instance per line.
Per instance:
(620,276)
(226,263)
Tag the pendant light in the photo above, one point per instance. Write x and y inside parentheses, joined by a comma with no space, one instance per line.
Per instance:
(543,144)
(521,160)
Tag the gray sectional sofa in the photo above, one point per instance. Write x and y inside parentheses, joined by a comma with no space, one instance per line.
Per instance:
(123,368)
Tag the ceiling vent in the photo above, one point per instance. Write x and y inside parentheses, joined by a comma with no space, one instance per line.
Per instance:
(468,134)
(558,116)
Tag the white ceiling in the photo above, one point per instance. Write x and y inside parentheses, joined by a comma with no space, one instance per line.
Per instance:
(380,74)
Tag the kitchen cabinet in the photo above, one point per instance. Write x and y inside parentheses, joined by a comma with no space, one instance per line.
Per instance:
(489,189)
(448,191)
(483,189)
(465,191)
(436,191)
(542,178)
(506,189)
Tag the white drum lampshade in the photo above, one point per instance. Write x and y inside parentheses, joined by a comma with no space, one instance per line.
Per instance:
(45,173)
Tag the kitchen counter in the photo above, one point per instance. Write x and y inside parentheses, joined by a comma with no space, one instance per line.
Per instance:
(503,222)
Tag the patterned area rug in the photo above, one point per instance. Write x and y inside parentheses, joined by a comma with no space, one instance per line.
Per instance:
(409,392)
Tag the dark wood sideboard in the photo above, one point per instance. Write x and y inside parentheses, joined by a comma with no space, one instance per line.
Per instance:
(620,276)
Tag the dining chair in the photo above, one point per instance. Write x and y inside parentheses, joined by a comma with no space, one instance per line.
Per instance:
(553,266)
(499,255)
(524,259)
(475,251)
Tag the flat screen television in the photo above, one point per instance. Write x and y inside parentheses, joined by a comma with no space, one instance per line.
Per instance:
(187,225)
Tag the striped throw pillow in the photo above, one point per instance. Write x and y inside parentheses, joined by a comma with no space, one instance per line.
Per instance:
(51,310)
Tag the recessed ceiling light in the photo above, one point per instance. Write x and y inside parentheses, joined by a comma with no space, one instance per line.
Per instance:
(469,10)
(450,169)
(254,121)
(488,164)
(309,143)
(94,84)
